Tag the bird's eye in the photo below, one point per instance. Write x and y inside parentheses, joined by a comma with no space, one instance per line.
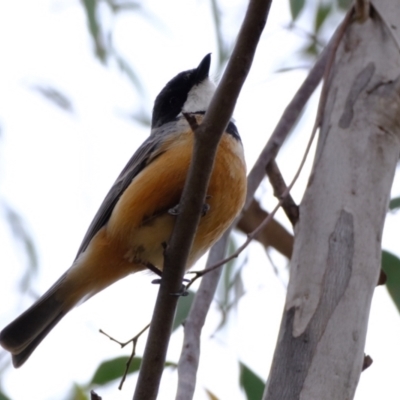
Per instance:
(172,101)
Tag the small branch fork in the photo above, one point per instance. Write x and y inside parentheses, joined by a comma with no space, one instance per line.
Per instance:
(134,341)
(278,183)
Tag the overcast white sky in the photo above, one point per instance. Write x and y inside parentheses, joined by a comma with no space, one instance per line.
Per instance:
(55,168)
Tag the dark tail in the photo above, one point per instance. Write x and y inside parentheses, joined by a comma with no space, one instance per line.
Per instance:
(23,335)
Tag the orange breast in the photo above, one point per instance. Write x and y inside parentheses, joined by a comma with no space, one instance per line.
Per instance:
(140,222)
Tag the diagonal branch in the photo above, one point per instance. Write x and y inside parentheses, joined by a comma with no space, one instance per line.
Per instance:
(285,124)
(190,356)
(273,235)
(290,208)
(207,136)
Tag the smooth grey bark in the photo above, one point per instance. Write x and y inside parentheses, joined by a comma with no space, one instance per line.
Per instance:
(337,251)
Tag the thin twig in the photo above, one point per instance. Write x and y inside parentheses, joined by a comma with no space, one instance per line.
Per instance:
(134,341)
(278,183)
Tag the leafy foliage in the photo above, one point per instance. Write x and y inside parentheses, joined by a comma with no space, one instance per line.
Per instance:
(104,48)
(113,369)
(230,287)
(391,267)
(252,384)
(3,396)
(296,7)
(79,393)
(24,239)
(394,204)
(182,311)
(323,12)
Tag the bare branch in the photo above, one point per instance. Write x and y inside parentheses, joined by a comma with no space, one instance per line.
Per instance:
(285,125)
(207,136)
(278,183)
(190,355)
(134,341)
(273,235)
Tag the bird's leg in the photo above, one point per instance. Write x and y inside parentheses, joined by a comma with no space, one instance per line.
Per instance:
(149,266)
(182,291)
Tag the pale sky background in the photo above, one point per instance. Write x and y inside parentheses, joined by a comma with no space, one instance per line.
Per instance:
(56,167)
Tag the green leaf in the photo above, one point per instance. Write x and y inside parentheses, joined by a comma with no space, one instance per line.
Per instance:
(296,6)
(182,311)
(391,267)
(311,49)
(394,203)
(323,12)
(252,384)
(24,238)
(230,287)
(113,369)
(4,397)
(79,393)
(117,6)
(95,28)
(110,370)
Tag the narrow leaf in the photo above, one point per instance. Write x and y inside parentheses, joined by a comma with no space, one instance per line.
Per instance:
(394,203)
(391,267)
(182,311)
(252,384)
(95,28)
(323,12)
(211,395)
(79,393)
(55,96)
(114,369)
(296,6)
(4,397)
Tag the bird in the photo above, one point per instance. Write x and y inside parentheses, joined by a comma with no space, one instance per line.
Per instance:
(135,220)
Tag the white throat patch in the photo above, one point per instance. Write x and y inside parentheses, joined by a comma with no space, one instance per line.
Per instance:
(199,97)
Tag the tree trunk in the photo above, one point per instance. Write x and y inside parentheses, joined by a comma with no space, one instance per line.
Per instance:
(337,252)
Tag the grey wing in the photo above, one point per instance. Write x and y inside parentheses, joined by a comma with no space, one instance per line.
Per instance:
(138,161)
